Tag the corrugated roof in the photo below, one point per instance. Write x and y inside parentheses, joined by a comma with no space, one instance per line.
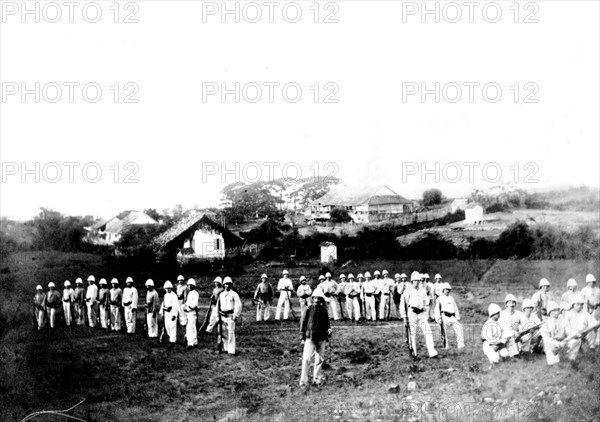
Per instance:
(345,196)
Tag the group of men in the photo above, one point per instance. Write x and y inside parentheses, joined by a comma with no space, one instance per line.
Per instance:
(99,306)
(544,324)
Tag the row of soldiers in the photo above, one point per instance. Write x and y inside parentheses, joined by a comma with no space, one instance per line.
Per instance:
(99,306)
(544,325)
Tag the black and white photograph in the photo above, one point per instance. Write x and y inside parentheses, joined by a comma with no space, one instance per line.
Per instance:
(309,210)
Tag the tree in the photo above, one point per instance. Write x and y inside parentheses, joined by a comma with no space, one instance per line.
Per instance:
(151,212)
(57,232)
(432,197)
(250,201)
(339,215)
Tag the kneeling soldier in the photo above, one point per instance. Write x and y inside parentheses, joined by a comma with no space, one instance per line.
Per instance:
(495,334)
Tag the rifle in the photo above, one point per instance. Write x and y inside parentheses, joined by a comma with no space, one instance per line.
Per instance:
(583,333)
(164,330)
(527,331)
(291,307)
(389,310)
(408,337)
(442,327)
(341,307)
(206,318)
(220,327)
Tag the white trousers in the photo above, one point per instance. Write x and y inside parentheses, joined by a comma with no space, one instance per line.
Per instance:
(52,315)
(103,317)
(228,335)
(130,319)
(333,310)
(420,321)
(263,311)
(152,323)
(67,312)
(40,317)
(492,354)
(370,312)
(191,334)
(304,303)
(92,315)
(452,323)
(171,327)
(214,318)
(284,303)
(552,350)
(79,310)
(384,304)
(115,316)
(316,349)
(352,308)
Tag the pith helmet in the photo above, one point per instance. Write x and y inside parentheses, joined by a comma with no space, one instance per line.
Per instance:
(510,298)
(91,278)
(78,280)
(150,283)
(227,280)
(114,281)
(218,280)
(590,278)
(180,278)
(415,276)
(129,280)
(552,306)
(367,274)
(168,285)
(191,282)
(67,283)
(51,284)
(102,281)
(544,282)
(527,303)
(493,309)
(571,283)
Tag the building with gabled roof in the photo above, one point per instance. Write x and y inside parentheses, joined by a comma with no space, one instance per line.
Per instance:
(108,232)
(362,204)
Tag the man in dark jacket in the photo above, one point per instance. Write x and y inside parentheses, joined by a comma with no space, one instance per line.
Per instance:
(263,297)
(315,330)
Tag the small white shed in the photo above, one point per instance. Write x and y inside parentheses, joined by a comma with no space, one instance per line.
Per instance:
(474,214)
(328,252)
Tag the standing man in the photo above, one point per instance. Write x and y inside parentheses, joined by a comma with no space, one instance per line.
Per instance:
(541,298)
(446,312)
(79,301)
(91,299)
(284,287)
(399,287)
(377,294)
(369,290)
(329,289)
(182,292)
(569,295)
(304,291)
(39,307)
(511,318)
(170,309)
(386,287)
(340,294)
(116,296)
(104,303)
(591,297)
(315,331)
(264,295)
(130,303)
(230,309)
(494,335)
(191,307)
(352,292)
(214,317)
(530,342)
(68,297)
(53,304)
(152,306)
(414,306)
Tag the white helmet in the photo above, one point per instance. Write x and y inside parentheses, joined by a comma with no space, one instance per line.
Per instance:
(218,280)
(149,282)
(91,278)
(227,280)
(403,275)
(129,280)
(342,276)
(367,274)
(67,283)
(437,276)
(318,292)
(544,282)
(493,309)
(168,285)
(385,272)
(180,278)
(114,281)
(285,272)
(51,284)
(102,281)
(510,298)
(376,272)
(328,275)
(571,283)
(39,287)
(415,276)
(321,277)
(397,276)
(425,276)
(446,286)
(590,278)
(360,275)
(191,282)
(552,306)
(351,276)
(264,276)
(78,280)
(302,278)
(527,303)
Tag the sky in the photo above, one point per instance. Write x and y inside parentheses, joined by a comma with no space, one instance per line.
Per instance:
(161,133)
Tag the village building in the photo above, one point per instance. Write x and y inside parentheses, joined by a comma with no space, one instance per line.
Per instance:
(109,232)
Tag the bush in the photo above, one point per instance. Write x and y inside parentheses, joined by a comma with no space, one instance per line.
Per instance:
(339,215)
(432,197)
(515,242)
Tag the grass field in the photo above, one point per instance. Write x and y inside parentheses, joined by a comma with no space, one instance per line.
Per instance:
(133,378)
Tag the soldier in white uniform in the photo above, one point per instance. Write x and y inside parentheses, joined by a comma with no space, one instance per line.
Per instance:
(39,307)
(541,298)
(511,318)
(230,309)
(377,294)
(446,312)
(103,303)
(91,299)
(284,287)
(191,307)
(214,316)
(130,303)
(494,335)
(53,304)
(567,297)
(591,297)
(415,307)
(352,292)
(577,320)
(79,307)
(553,334)
(399,287)
(530,342)
(181,289)
(329,288)
(304,292)
(340,294)
(116,296)
(170,309)
(369,290)
(264,296)
(386,287)
(152,307)
(68,297)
